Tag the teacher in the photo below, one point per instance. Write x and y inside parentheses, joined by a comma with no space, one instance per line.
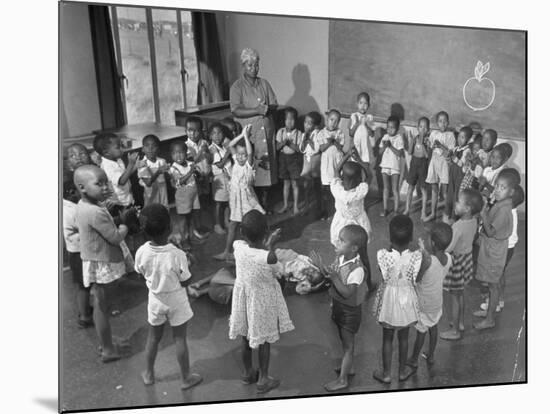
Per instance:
(252,102)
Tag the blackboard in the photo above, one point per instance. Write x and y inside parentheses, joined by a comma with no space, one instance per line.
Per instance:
(415,71)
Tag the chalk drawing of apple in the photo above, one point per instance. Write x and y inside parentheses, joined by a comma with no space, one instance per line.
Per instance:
(479,92)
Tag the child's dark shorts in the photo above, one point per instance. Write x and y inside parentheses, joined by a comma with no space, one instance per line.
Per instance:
(290,166)
(75,264)
(418,171)
(346,317)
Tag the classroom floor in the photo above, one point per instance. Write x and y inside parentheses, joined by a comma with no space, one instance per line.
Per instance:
(303,359)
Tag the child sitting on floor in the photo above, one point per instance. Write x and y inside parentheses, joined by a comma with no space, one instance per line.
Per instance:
(164,267)
(221,164)
(151,171)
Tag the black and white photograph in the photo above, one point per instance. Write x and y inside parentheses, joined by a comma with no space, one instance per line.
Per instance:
(260,206)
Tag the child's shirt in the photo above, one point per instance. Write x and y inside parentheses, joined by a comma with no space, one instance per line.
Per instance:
(121,194)
(464,232)
(462,154)
(294,136)
(309,149)
(482,157)
(430,288)
(163,267)
(350,272)
(361,138)
(241,176)
(389,158)
(70,227)
(177,171)
(491,175)
(446,138)
(331,156)
(418,147)
(148,167)
(512,241)
(217,155)
(193,149)
(500,217)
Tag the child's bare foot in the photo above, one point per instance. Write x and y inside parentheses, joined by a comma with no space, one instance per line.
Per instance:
(338,370)
(412,363)
(283,209)
(250,377)
(110,356)
(406,372)
(450,335)
(484,324)
(384,213)
(148,377)
(296,211)
(267,385)
(429,358)
(406,212)
(191,381)
(219,229)
(336,385)
(429,218)
(192,291)
(222,256)
(380,376)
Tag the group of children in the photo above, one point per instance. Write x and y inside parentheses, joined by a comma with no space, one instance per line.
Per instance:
(480,196)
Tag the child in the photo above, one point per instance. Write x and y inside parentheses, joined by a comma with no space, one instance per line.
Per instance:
(329,142)
(430,292)
(348,291)
(497,227)
(198,153)
(242,197)
(488,178)
(151,173)
(473,163)
(220,286)
(77,155)
(182,174)
(391,148)
(102,257)
(419,165)
(221,164)
(108,147)
(164,267)
(458,159)
(232,128)
(396,305)
(464,232)
(311,171)
(258,311)
(488,142)
(360,130)
(288,142)
(442,142)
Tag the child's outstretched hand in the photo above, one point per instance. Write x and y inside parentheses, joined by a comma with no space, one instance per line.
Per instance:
(273,238)
(421,244)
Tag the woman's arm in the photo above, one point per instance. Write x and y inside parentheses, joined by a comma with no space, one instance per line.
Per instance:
(240,111)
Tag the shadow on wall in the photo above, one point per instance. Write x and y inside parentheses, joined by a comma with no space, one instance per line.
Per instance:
(512,163)
(301,98)
(234,67)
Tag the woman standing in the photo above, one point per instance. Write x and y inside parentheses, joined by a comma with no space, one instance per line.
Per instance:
(252,101)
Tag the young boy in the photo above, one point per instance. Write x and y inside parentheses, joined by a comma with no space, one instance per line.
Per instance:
(418,148)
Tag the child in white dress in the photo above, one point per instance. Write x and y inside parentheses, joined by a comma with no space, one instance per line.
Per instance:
(396,305)
(311,172)
(151,171)
(258,311)
(242,197)
(392,149)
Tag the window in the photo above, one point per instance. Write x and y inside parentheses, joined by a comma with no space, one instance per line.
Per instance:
(156,61)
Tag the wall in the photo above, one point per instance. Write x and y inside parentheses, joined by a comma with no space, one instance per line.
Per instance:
(79,106)
(293,55)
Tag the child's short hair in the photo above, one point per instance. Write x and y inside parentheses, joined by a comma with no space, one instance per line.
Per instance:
(442,113)
(468,132)
(511,175)
(441,235)
(425,119)
(292,111)
(394,120)
(401,230)
(69,188)
(518,197)
(334,111)
(315,117)
(216,125)
(353,171)
(477,140)
(151,137)
(254,226)
(103,141)
(194,120)
(473,200)
(177,143)
(364,95)
(505,149)
(493,134)
(155,220)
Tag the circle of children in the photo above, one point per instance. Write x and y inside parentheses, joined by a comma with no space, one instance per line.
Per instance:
(480,199)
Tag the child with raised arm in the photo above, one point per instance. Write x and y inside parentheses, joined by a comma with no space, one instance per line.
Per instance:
(360,129)
(391,149)
(164,268)
(488,178)
(288,141)
(102,257)
(329,142)
(418,148)
(221,164)
(198,153)
(242,197)
(151,171)
(430,290)
(258,311)
(311,171)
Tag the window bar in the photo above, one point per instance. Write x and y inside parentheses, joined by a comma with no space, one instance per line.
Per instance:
(183,71)
(118,54)
(151,34)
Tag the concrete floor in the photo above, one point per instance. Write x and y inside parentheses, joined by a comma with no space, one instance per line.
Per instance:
(303,359)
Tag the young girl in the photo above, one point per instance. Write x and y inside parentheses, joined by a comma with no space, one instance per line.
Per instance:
(329,142)
(311,172)
(258,311)
(242,197)
(497,226)
(488,142)
(182,175)
(348,291)
(151,173)
(164,267)
(102,257)
(430,292)
(458,159)
(288,141)
(442,142)
(391,148)
(396,305)
(419,165)
(488,178)
(360,128)
(221,164)
(77,155)
(464,232)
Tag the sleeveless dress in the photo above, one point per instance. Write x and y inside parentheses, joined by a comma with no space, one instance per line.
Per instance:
(242,197)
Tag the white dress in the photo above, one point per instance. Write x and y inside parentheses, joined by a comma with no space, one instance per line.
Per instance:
(350,208)
(242,197)
(258,309)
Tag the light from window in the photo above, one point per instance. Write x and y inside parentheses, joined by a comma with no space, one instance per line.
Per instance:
(190,59)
